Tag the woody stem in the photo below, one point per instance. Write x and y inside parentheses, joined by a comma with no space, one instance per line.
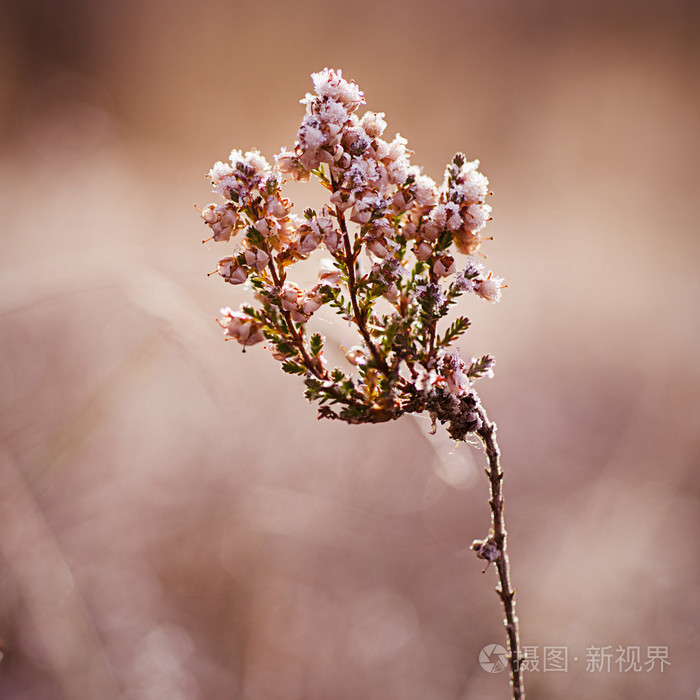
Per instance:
(487,433)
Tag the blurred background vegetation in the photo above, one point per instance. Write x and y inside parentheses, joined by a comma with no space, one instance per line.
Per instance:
(174,522)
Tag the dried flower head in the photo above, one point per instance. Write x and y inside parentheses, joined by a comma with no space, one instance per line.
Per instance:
(380,207)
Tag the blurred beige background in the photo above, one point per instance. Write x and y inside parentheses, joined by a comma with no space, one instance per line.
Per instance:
(175,523)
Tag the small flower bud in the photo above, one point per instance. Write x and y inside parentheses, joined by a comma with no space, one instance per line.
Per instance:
(444,266)
(379,247)
(361,212)
(343,200)
(329,274)
(245,329)
(309,242)
(263,227)
(290,297)
(431,230)
(489,288)
(231,271)
(392,293)
(356,355)
(373,123)
(422,250)
(257,258)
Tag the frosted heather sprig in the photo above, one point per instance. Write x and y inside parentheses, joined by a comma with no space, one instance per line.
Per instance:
(396,252)
(412,232)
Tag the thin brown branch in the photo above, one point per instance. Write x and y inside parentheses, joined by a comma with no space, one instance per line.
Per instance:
(494,549)
(296,337)
(350,258)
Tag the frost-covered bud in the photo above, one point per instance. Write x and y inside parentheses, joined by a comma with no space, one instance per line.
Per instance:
(422,250)
(453,215)
(489,288)
(253,159)
(444,266)
(286,161)
(425,191)
(467,242)
(210,215)
(231,271)
(257,258)
(329,273)
(222,178)
(476,217)
(276,207)
(373,123)
(330,83)
(455,371)
(243,328)
(357,355)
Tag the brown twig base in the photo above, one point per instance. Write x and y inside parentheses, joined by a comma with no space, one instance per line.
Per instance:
(493,549)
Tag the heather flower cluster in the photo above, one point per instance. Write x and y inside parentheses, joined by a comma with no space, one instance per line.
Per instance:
(396,252)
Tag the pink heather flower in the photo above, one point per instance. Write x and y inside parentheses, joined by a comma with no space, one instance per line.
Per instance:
(355,140)
(477,216)
(330,83)
(342,200)
(422,250)
(289,296)
(373,123)
(489,288)
(276,207)
(262,226)
(309,303)
(257,258)
(425,191)
(409,229)
(466,241)
(329,273)
(392,293)
(231,271)
(285,161)
(401,202)
(222,220)
(379,246)
(243,328)
(444,266)
(432,229)
(309,242)
(361,212)
(455,373)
